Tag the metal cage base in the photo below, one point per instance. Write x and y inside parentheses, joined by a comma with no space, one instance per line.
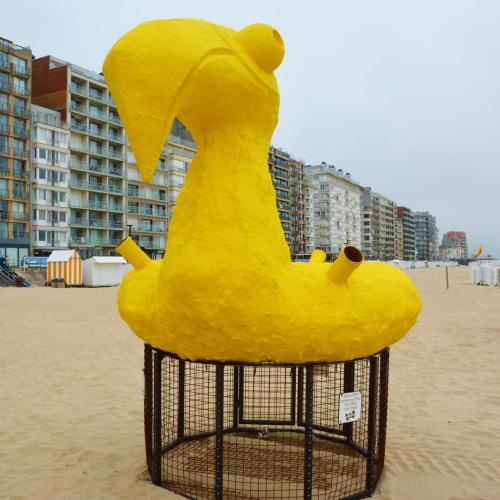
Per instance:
(264,431)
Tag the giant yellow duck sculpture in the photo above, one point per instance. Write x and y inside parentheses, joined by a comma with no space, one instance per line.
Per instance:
(227,289)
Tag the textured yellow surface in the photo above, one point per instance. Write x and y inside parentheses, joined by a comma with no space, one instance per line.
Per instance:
(226,289)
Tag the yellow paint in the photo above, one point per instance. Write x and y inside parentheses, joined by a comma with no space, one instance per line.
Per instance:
(226,289)
(133,253)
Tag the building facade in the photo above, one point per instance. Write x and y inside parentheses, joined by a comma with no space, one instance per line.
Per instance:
(454,246)
(287,174)
(426,236)
(333,209)
(107,198)
(406,219)
(379,226)
(50,212)
(97,152)
(15,104)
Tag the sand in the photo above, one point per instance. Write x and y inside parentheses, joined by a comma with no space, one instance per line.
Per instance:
(71,409)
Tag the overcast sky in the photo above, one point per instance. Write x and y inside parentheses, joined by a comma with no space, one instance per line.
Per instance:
(403,94)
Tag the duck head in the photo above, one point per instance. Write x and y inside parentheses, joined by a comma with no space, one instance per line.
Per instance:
(197,71)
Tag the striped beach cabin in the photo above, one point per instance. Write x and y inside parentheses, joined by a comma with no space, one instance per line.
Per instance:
(65,264)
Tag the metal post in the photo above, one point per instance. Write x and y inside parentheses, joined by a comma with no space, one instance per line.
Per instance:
(447,282)
(180,399)
(348,387)
(372,425)
(300,397)
(382,419)
(148,404)
(235,397)
(219,430)
(158,356)
(308,433)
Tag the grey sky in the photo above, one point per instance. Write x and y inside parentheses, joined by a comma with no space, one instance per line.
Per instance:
(403,94)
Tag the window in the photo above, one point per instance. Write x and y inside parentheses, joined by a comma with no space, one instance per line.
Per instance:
(42,235)
(18,168)
(60,139)
(42,214)
(20,63)
(42,174)
(19,230)
(4,144)
(4,62)
(42,194)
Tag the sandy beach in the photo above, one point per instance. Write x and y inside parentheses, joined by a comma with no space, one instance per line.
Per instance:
(71,421)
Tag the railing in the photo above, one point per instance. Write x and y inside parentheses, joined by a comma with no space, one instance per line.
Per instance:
(20,152)
(4,85)
(78,89)
(115,119)
(18,110)
(4,127)
(112,207)
(97,114)
(21,132)
(4,63)
(4,171)
(21,70)
(4,148)
(78,222)
(19,216)
(19,89)
(4,106)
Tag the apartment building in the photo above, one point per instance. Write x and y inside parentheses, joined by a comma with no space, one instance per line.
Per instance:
(287,173)
(333,209)
(379,226)
(50,196)
(406,219)
(426,236)
(97,152)
(15,104)
(454,246)
(398,239)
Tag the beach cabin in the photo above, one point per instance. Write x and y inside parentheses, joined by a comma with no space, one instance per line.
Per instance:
(104,271)
(65,264)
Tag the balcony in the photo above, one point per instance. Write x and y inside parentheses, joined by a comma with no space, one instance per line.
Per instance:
(78,222)
(79,108)
(20,111)
(4,171)
(115,119)
(115,154)
(101,115)
(19,70)
(22,153)
(96,94)
(4,85)
(19,89)
(21,132)
(115,171)
(20,195)
(5,107)
(78,89)
(22,216)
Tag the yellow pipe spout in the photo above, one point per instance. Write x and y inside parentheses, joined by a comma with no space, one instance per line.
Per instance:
(317,257)
(345,264)
(132,253)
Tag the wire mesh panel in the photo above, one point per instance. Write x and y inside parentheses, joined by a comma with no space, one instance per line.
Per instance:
(266,431)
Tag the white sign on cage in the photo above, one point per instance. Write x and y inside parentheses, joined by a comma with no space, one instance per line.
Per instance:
(349,407)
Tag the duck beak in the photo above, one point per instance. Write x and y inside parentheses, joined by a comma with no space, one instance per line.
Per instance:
(146,70)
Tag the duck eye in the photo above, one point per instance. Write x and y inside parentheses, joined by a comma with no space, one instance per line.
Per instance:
(264,44)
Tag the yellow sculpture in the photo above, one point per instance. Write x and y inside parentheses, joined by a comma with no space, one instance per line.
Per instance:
(226,288)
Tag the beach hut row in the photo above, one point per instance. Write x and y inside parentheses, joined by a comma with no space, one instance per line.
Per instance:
(485,274)
(97,271)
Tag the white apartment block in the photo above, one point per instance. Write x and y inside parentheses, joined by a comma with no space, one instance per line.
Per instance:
(49,182)
(333,209)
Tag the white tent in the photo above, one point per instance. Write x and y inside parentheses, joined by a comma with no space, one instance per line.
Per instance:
(104,271)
